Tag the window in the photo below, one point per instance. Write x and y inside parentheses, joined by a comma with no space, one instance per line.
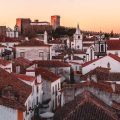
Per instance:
(53,89)
(58,86)
(41,55)
(17,69)
(108,65)
(78,46)
(102,48)
(22,54)
(78,37)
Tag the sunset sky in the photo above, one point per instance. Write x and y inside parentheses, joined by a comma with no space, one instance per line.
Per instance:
(93,15)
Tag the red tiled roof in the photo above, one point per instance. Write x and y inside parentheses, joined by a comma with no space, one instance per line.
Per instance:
(102,74)
(48,63)
(20,91)
(104,86)
(116,105)
(56,41)
(32,43)
(24,77)
(22,61)
(46,74)
(8,39)
(113,44)
(86,106)
(4,62)
(115,57)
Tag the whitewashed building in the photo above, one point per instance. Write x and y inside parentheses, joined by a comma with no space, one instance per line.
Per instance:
(33,50)
(15,98)
(110,61)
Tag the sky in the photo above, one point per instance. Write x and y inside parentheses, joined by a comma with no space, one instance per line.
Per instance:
(93,15)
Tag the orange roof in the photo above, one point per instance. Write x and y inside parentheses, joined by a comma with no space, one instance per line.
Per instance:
(46,74)
(4,62)
(19,91)
(32,43)
(25,77)
(113,44)
(50,63)
(115,57)
(22,61)
(8,39)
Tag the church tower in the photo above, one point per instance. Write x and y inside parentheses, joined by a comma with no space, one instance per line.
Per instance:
(100,46)
(78,38)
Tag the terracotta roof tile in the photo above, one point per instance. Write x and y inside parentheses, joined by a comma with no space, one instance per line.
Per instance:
(25,77)
(8,39)
(48,63)
(46,74)
(86,106)
(22,61)
(32,43)
(19,91)
(113,44)
(4,62)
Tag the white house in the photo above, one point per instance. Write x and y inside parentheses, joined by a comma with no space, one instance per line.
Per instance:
(110,61)
(51,85)
(113,46)
(33,50)
(15,98)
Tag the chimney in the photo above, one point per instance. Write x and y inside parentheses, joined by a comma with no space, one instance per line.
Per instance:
(26,39)
(45,37)
(113,86)
(39,79)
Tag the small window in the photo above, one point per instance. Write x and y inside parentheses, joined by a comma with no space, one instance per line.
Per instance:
(102,48)
(78,37)
(108,65)
(17,69)
(22,54)
(41,55)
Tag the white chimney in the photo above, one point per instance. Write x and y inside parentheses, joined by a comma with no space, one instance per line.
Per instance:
(45,37)
(39,79)
(26,38)
(113,85)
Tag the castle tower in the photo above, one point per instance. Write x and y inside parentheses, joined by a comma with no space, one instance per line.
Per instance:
(78,38)
(55,21)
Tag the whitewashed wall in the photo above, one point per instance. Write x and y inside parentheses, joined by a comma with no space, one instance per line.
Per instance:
(114,65)
(7,113)
(32,53)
